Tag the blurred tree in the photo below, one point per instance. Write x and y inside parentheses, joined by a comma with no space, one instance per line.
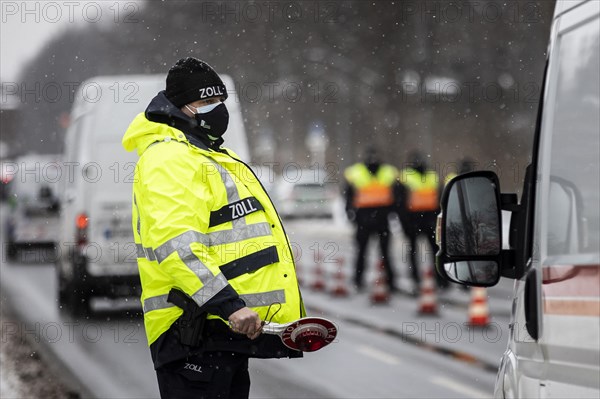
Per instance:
(450,78)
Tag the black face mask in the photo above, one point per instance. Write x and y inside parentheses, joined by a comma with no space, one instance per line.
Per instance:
(213,123)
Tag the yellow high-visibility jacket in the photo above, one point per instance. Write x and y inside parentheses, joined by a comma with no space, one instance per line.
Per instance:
(423,189)
(449,177)
(202,221)
(371,191)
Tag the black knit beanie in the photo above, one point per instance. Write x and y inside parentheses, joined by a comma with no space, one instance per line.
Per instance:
(190,80)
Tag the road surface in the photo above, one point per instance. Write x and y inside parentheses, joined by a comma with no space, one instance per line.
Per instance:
(381,351)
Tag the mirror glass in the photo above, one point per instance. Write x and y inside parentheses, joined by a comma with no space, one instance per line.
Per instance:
(472,218)
(481,272)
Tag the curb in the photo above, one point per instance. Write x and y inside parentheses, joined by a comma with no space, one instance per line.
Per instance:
(76,388)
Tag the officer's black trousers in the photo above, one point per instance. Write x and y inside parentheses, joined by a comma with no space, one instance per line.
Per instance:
(363,233)
(207,376)
(421,225)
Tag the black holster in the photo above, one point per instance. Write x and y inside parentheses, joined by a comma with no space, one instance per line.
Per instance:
(191,323)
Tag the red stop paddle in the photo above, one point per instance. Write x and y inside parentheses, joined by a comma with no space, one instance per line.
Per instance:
(308,334)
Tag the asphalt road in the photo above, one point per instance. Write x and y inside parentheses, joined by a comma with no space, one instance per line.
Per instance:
(109,356)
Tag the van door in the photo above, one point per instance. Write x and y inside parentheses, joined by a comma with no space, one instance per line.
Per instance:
(567,231)
(69,182)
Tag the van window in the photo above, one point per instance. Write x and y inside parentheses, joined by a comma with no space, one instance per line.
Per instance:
(573,207)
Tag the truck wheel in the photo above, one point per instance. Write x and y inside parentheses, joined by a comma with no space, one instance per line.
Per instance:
(73,297)
(79,304)
(11,251)
(64,290)
(74,301)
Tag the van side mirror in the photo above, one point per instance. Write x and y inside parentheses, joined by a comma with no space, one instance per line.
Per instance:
(469,230)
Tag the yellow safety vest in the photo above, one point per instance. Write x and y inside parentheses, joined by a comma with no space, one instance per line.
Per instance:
(423,190)
(201,221)
(449,177)
(372,191)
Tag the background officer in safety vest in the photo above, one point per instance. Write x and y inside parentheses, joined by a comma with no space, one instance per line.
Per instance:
(465,165)
(213,258)
(419,206)
(371,194)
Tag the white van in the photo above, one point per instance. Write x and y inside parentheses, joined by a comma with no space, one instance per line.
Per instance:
(97,253)
(32,217)
(554,245)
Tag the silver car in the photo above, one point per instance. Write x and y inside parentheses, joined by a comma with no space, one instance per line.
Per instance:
(305,193)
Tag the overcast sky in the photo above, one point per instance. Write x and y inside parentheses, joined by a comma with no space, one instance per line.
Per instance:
(28,26)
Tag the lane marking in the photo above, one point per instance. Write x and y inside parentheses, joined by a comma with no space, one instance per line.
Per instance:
(378,355)
(472,360)
(460,388)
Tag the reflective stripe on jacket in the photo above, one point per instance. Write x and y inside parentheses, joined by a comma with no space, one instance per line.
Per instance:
(371,191)
(201,221)
(423,189)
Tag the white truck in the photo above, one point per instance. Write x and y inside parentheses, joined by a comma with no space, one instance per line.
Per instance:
(97,253)
(554,245)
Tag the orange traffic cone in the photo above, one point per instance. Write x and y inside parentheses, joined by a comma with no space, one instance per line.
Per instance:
(428,298)
(319,281)
(380,292)
(340,288)
(479,312)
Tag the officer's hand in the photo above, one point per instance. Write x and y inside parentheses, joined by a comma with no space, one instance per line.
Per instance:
(246,321)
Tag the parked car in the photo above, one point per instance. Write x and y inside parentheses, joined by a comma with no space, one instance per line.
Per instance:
(32,220)
(99,256)
(305,193)
(554,242)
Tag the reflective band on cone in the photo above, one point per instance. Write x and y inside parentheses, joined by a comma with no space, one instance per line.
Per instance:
(340,289)
(479,312)
(380,292)
(428,298)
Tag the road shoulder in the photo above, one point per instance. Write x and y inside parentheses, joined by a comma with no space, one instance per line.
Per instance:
(24,372)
